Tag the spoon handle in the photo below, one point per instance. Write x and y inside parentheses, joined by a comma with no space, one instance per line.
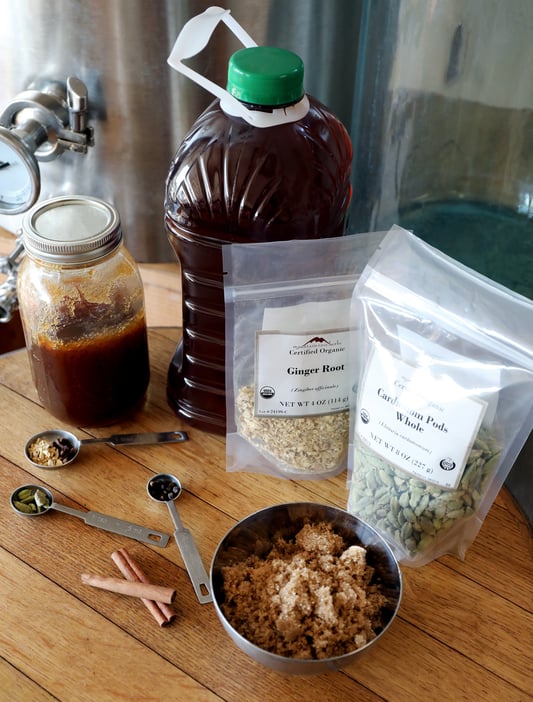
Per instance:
(194,565)
(191,557)
(157,437)
(116,526)
(134,531)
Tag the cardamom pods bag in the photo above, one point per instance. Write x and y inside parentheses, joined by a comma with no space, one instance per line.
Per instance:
(287,308)
(443,359)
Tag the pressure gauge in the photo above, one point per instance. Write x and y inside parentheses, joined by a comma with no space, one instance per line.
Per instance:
(20,181)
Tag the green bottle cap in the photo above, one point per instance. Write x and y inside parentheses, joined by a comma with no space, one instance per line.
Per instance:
(265,75)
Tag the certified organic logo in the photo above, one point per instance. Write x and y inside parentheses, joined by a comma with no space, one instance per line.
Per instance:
(317,345)
(447,464)
(267,391)
(365,417)
(317,340)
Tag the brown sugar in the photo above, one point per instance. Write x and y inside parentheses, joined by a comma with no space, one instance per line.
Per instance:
(311,597)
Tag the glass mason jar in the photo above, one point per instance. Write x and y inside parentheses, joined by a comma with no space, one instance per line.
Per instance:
(81,302)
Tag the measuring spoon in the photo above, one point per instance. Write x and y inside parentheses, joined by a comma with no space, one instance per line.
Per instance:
(167,488)
(57,448)
(35,500)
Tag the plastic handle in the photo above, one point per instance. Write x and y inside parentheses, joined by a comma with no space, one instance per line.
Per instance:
(197,32)
(194,37)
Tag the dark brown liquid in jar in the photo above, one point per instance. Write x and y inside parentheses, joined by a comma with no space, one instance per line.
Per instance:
(94,380)
(82,306)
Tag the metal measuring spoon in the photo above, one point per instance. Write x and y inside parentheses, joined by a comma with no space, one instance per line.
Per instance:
(57,448)
(35,500)
(167,488)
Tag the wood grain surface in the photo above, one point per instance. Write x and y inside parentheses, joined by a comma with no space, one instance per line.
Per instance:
(464,630)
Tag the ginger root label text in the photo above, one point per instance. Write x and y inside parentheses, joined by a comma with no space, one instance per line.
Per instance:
(298,375)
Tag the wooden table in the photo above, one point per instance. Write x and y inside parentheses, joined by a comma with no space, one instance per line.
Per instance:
(464,631)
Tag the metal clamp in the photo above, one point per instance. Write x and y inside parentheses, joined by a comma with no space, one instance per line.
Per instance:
(9,266)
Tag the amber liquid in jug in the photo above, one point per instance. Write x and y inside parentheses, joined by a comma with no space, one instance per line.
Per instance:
(233,182)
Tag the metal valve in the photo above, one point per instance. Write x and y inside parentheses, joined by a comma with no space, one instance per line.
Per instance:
(78,105)
(39,124)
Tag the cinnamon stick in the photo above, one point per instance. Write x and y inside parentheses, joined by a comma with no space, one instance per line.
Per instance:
(146,591)
(131,570)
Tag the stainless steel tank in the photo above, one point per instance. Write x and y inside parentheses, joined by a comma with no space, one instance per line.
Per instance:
(139,108)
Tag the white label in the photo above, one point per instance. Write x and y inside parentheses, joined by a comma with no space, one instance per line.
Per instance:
(415,349)
(297,375)
(419,421)
(298,319)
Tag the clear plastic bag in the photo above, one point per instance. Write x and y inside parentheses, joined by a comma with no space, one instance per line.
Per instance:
(287,347)
(444,364)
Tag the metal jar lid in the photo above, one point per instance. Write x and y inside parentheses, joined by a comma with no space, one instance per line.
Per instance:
(71,229)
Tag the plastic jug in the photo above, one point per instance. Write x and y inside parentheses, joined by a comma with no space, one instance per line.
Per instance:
(264,162)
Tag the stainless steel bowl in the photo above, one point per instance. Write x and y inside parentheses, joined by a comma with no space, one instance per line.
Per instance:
(255,535)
